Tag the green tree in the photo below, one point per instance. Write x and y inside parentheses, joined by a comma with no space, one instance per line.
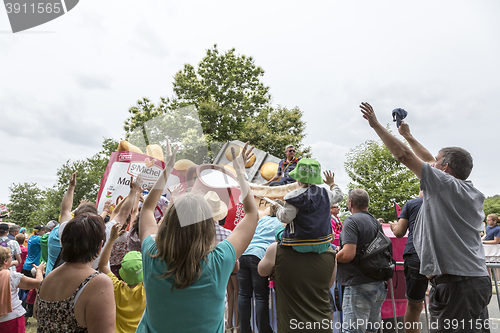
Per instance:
(228,98)
(275,128)
(25,199)
(226,89)
(372,167)
(90,173)
(33,205)
(492,205)
(141,112)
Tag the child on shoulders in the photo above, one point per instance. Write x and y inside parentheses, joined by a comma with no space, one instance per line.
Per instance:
(307,209)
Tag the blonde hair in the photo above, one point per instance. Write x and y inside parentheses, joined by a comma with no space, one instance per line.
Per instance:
(494,217)
(184,247)
(4,254)
(20,238)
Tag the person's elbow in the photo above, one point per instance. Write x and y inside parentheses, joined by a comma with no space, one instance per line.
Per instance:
(404,155)
(347,254)
(399,233)
(264,269)
(496,240)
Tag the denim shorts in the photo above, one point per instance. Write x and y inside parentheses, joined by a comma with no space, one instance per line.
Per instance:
(416,283)
(361,307)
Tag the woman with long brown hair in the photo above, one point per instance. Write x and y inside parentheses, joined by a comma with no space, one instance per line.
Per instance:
(185,273)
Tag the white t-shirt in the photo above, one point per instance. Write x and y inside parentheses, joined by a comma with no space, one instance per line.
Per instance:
(17,307)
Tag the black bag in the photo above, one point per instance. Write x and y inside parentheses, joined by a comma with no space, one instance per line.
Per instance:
(375,259)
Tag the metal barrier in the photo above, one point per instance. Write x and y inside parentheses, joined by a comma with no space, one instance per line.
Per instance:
(492,267)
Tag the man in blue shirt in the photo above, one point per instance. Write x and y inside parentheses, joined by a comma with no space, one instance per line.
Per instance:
(492,235)
(34,250)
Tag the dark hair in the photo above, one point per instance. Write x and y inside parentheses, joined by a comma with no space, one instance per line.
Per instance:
(359,198)
(82,238)
(459,160)
(86,208)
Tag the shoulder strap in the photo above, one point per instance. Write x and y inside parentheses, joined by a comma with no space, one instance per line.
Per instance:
(83,284)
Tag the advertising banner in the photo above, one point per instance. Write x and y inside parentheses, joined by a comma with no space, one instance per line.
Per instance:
(123,165)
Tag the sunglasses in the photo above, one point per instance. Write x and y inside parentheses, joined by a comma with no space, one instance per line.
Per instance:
(291,151)
(335,206)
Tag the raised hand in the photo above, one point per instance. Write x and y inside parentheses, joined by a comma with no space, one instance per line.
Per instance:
(84,201)
(369,114)
(241,160)
(329,175)
(107,205)
(404,129)
(177,190)
(137,184)
(40,267)
(72,179)
(116,231)
(169,156)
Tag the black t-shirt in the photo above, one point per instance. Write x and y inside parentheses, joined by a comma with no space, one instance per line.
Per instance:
(410,212)
(360,229)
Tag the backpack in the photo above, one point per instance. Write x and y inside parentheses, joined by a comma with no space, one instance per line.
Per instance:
(375,259)
(4,243)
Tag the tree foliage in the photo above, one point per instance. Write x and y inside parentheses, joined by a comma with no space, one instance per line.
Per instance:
(276,128)
(372,167)
(226,89)
(25,200)
(228,101)
(32,205)
(492,205)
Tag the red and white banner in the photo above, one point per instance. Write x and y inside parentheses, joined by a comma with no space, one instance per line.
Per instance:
(122,165)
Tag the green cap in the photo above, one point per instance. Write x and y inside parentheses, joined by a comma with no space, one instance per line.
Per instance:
(131,270)
(307,171)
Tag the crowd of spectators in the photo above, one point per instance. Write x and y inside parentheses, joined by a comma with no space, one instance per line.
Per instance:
(129,269)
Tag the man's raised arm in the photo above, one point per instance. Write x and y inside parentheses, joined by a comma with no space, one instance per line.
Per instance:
(400,151)
(418,149)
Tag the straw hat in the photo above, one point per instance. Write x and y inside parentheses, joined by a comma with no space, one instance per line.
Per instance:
(219,208)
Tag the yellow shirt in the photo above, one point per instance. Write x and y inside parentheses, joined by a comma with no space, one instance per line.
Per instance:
(130,304)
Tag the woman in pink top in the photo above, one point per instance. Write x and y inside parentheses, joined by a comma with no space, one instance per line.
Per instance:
(336,224)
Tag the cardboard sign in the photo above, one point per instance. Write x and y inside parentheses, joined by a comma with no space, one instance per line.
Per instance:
(235,211)
(123,165)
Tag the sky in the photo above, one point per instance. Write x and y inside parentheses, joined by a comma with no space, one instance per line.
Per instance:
(67,84)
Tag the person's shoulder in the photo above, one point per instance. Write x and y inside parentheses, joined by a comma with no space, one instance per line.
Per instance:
(295,193)
(415,202)
(100,281)
(225,247)
(13,242)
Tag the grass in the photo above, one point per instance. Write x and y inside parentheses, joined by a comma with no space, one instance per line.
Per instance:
(31,328)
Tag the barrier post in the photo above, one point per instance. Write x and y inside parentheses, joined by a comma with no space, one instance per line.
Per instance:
(426,313)
(494,274)
(393,306)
